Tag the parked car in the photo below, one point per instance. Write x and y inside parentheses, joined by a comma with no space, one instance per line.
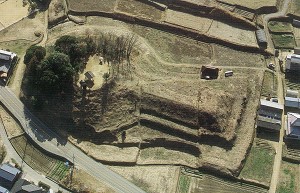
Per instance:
(271,66)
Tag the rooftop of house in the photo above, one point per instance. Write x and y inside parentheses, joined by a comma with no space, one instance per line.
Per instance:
(6,55)
(23,186)
(3,190)
(293,124)
(270,104)
(9,172)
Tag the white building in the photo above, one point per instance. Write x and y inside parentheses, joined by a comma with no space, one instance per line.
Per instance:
(6,59)
(292,62)
(293,125)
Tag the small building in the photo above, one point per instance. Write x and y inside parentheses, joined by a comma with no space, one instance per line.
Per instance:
(6,61)
(89,75)
(292,93)
(297,50)
(23,186)
(293,126)
(3,190)
(8,175)
(296,23)
(269,115)
(291,102)
(209,72)
(292,62)
(261,38)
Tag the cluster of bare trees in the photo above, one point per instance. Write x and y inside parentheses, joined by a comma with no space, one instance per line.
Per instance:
(116,50)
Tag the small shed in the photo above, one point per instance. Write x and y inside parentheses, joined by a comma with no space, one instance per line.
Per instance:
(261,38)
(89,75)
(209,72)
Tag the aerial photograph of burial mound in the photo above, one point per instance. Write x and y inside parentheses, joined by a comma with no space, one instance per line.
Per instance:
(159,96)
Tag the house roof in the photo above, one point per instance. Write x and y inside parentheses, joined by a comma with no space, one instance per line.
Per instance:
(3,190)
(295,60)
(89,75)
(31,188)
(4,66)
(23,186)
(271,104)
(293,99)
(8,172)
(293,124)
(292,93)
(6,55)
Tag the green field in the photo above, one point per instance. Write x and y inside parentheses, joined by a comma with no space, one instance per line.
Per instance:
(277,26)
(288,178)
(184,183)
(269,84)
(37,160)
(285,41)
(259,165)
(292,81)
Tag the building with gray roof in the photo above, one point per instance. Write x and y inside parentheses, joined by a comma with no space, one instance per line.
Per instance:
(3,190)
(261,38)
(8,175)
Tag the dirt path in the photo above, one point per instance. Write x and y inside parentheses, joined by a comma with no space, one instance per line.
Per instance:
(16,83)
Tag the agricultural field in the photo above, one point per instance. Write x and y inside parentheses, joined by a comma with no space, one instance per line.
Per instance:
(193,181)
(295,7)
(39,161)
(255,4)
(296,33)
(151,178)
(281,27)
(186,20)
(140,9)
(283,41)
(269,86)
(289,178)
(92,5)
(232,34)
(259,163)
(292,81)
(11,12)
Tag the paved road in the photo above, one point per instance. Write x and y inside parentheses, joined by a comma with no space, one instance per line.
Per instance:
(280,92)
(28,172)
(50,141)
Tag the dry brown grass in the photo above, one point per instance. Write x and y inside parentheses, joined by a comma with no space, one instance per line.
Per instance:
(252,4)
(83,182)
(198,23)
(140,9)
(92,5)
(11,126)
(151,178)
